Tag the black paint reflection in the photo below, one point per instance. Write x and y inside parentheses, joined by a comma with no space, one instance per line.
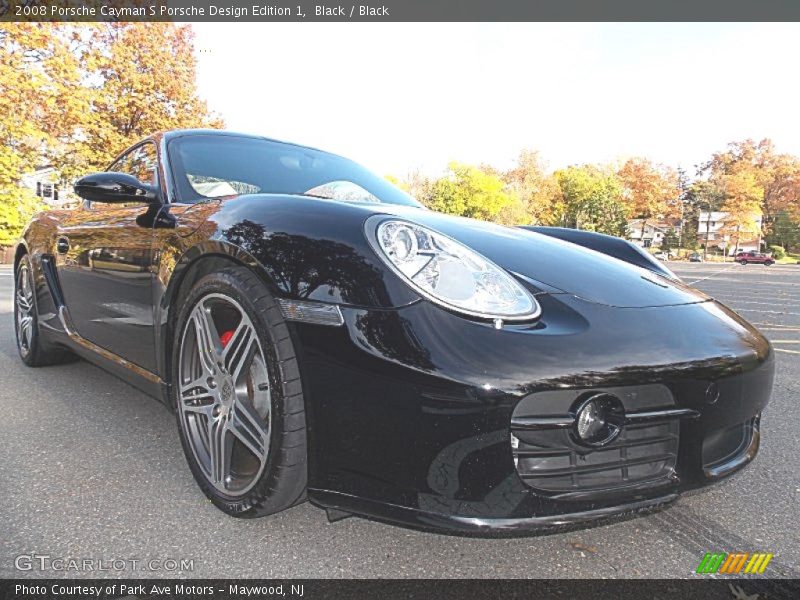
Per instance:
(106,277)
(393,338)
(310,268)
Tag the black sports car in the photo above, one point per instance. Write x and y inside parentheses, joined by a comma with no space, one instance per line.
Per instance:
(321,335)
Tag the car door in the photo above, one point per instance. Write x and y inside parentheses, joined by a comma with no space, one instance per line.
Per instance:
(104,260)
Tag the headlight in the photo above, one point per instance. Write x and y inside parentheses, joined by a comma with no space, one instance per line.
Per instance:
(449,273)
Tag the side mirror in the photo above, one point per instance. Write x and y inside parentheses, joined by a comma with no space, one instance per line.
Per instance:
(115,187)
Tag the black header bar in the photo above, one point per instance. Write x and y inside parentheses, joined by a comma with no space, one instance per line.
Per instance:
(399,10)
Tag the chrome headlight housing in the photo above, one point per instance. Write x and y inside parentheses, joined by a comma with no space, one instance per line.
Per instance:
(449,273)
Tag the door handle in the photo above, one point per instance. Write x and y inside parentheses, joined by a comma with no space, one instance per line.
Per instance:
(62,245)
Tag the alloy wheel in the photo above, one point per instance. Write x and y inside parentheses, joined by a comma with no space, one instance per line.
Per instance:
(24,302)
(224,394)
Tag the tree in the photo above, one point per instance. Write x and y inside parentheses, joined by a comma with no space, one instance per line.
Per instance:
(592,199)
(785,231)
(776,175)
(142,81)
(17,206)
(37,77)
(705,197)
(781,182)
(650,191)
(671,240)
(539,193)
(469,191)
(742,203)
(76,95)
(689,216)
(415,183)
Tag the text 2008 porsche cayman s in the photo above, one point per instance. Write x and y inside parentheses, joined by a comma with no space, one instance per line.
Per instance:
(320,335)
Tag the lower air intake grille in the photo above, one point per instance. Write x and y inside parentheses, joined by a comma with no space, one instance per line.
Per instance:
(640,454)
(551,460)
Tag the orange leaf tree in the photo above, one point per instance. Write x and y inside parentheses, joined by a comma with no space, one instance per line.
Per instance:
(75,95)
(649,191)
(143,80)
(754,178)
(538,190)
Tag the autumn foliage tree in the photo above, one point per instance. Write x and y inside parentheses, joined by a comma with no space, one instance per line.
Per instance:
(38,81)
(743,197)
(592,199)
(745,181)
(74,95)
(539,193)
(468,191)
(753,179)
(146,83)
(649,191)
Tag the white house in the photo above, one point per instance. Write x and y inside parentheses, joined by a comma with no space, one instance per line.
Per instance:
(713,225)
(647,233)
(45,183)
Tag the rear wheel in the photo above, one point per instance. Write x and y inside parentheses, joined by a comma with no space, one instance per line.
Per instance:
(238,398)
(742,262)
(33,350)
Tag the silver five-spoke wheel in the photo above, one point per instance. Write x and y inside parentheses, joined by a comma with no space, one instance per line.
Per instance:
(24,301)
(224,396)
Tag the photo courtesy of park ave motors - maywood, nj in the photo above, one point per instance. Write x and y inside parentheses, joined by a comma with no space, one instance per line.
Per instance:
(328,292)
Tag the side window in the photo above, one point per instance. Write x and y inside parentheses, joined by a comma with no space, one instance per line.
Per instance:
(144,164)
(121,164)
(141,162)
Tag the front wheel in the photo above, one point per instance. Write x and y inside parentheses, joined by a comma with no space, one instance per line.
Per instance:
(238,397)
(33,350)
(769,263)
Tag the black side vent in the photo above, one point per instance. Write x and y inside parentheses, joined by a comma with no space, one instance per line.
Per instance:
(641,453)
(551,459)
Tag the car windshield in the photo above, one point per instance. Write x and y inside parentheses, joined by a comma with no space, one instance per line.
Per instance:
(211,166)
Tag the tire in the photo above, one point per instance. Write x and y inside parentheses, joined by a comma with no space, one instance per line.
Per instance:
(33,349)
(742,262)
(243,428)
(769,263)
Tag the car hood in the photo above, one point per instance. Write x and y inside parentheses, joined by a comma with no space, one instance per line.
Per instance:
(546,262)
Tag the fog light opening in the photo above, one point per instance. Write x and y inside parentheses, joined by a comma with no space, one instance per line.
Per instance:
(598,420)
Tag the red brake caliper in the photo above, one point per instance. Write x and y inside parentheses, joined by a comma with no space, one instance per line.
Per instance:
(225,338)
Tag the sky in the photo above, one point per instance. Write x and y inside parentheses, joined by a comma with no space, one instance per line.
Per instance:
(403,96)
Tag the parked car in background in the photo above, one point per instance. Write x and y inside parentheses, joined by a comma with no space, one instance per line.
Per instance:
(661,255)
(695,257)
(758,258)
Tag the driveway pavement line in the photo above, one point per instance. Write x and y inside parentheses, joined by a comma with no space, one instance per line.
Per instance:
(714,274)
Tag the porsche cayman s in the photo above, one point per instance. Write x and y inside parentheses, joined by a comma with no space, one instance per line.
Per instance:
(320,335)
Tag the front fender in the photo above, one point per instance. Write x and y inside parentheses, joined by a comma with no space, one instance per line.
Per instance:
(302,248)
(312,249)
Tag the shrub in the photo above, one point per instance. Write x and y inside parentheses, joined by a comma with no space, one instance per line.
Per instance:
(777,252)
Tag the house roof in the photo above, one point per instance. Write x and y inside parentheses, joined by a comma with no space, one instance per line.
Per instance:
(663,224)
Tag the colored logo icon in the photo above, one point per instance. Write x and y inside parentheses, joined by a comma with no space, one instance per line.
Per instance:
(734,563)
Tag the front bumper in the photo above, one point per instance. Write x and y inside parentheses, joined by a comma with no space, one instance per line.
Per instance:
(410,410)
